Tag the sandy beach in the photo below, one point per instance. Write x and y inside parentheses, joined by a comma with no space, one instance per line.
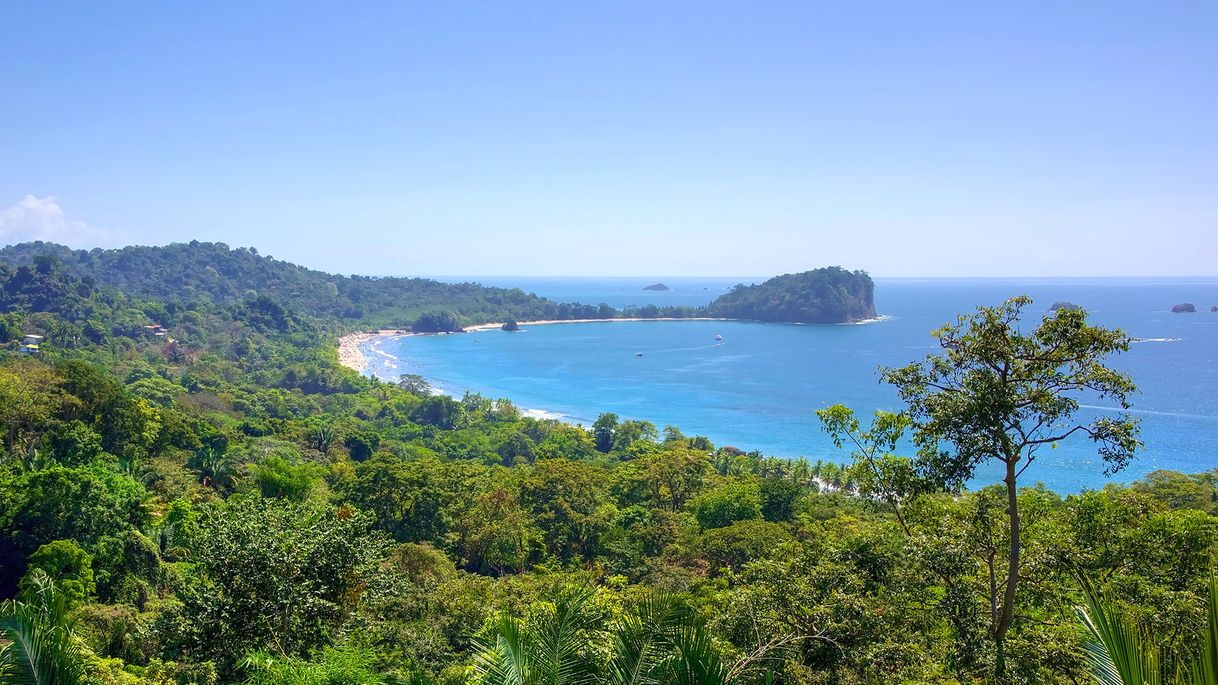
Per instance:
(349,354)
(493,326)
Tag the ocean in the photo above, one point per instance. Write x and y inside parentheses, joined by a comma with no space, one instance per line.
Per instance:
(757,387)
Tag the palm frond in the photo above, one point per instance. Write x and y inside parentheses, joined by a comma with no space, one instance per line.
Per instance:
(42,649)
(560,643)
(1204,670)
(695,661)
(501,658)
(1117,651)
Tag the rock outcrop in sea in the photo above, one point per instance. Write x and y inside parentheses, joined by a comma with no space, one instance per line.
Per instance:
(1185,308)
(657,286)
(1062,304)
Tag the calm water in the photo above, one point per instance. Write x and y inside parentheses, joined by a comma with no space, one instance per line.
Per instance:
(757,388)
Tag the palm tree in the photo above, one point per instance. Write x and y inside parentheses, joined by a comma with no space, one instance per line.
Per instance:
(41,649)
(657,643)
(1121,653)
(549,650)
(216,469)
(801,472)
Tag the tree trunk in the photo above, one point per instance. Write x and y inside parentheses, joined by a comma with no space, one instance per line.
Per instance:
(1003,622)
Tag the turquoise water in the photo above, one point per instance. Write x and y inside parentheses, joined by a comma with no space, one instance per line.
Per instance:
(758,387)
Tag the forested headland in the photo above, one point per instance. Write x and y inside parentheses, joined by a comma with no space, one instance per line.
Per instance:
(193,491)
(828,295)
(217,274)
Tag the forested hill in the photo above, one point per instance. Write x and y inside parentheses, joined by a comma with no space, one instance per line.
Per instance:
(828,295)
(215,272)
(196,493)
(221,275)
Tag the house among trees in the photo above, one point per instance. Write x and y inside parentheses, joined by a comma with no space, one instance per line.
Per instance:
(31,344)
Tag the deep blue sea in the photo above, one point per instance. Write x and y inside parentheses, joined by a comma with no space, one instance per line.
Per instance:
(758,387)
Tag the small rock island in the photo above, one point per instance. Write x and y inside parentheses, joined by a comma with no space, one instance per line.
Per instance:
(827,295)
(1064,305)
(657,286)
(510,325)
(1184,308)
(1214,309)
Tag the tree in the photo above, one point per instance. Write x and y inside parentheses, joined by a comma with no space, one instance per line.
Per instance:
(997,394)
(671,476)
(778,498)
(603,429)
(414,384)
(29,397)
(277,477)
(727,505)
(436,322)
(569,503)
(628,433)
(274,574)
(83,504)
(440,411)
(69,566)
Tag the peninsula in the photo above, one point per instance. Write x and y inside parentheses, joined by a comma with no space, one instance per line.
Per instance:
(828,295)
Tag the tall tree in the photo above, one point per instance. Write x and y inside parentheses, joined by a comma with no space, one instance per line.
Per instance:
(998,394)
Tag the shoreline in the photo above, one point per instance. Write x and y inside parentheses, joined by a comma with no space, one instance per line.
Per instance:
(351,356)
(549,322)
(349,353)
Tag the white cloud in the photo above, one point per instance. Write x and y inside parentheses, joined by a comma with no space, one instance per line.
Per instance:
(43,219)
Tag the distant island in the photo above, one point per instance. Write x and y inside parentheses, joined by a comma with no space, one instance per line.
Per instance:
(1185,308)
(1064,305)
(826,295)
(657,286)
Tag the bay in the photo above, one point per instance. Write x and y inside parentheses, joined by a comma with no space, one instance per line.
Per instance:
(757,387)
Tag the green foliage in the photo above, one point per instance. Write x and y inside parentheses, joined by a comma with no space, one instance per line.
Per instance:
(734,545)
(436,322)
(779,498)
(37,644)
(68,566)
(1120,652)
(83,504)
(828,295)
(234,491)
(657,641)
(272,574)
(276,477)
(331,667)
(999,394)
(726,505)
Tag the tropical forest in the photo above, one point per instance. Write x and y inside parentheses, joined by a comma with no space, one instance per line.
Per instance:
(193,491)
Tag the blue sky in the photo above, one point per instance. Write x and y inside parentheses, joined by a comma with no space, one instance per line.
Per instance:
(622,138)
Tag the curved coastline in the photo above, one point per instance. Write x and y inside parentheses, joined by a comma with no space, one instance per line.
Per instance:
(351,356)
(349,353)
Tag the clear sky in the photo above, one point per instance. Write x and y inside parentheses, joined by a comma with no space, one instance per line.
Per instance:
(622,138)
